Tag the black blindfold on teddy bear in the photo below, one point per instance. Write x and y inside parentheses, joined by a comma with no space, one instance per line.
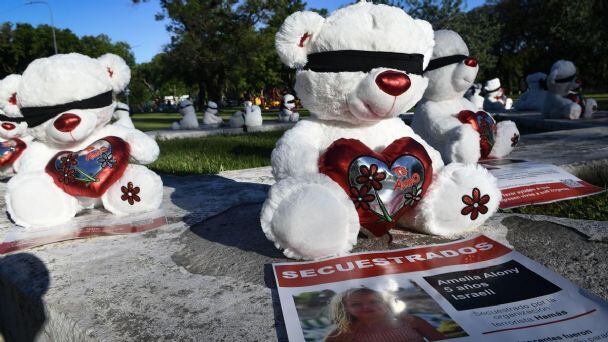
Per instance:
(35,116)
(364,61)
(444,61)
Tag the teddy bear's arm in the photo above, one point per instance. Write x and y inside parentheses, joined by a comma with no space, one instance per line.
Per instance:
(144,149)
(297,152)
(404,130)
(35,157)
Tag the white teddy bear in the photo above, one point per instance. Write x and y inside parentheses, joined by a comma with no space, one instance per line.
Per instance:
(474,95)
(14,137)
(78,161)
(562,100)
(251,117)
(354,165)
(534,97)
(286,113)
(448,121)
(122,115)
(495,99)
(210,116)
(189,120)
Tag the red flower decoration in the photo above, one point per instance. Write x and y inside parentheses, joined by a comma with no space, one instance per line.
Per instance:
(67,176)
(514,139)
(129,193)
(371,178)
(69,160)
(475,204)
(361,197)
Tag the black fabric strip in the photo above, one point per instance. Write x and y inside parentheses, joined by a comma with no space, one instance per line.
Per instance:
(8,118)
(355,60)
(444,61)
(565,79)
(35,116)
(186,106)
(491,91)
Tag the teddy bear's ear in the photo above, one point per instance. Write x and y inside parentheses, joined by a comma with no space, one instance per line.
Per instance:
(428,34)
(8,95)
(118,71)
(294,37)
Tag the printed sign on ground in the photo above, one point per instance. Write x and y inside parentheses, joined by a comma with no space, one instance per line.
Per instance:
(524,183)
(468,290)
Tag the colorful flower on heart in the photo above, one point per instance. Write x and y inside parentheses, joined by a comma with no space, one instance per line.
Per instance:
(414,196)
(360,197)
(370,177)
(67,176)
(106,160)
(475,204)
(514,139)
(129,193)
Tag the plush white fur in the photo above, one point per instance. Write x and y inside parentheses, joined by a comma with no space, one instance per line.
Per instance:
(306,213)
(250,117)
(210,116)
(435,117)
(189,120)
(556,105)
(33,200)
(534,97)
(122,115)
(10,130)
(286,114)
(495,100)
(474,95)
(8,95)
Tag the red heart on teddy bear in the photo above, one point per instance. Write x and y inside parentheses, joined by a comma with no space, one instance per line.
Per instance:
(91,171)
(485,125)
(382,185)
(11,150)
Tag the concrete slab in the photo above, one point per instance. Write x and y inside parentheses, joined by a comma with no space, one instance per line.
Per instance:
(534,121)
(207,276)
(582,152)
(268,126)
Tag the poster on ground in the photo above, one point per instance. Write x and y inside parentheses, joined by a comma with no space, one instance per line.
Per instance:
(525,182)
(469,290)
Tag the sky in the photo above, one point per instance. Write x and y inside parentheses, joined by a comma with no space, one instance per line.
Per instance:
(119,19)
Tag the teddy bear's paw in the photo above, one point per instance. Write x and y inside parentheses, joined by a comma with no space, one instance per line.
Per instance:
(33,200)
(138,190)
(573,111)
(461,198)
(463,145)
(507,137)
(310,218)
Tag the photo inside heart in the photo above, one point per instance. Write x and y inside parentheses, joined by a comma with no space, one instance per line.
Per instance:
(10,151)
(90,171)
(382,185)
(485,125)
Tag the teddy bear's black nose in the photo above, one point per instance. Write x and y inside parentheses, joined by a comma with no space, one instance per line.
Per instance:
(67,122)
(393,82)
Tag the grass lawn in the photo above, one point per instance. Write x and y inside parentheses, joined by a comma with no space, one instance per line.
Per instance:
(586,208)
(154,121)
(217,153)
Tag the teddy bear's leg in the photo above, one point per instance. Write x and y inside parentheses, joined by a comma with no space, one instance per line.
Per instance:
(461,198)
(138,190)
(310,217)
(462,145)
(34,200)
(590,108)
(507,136)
